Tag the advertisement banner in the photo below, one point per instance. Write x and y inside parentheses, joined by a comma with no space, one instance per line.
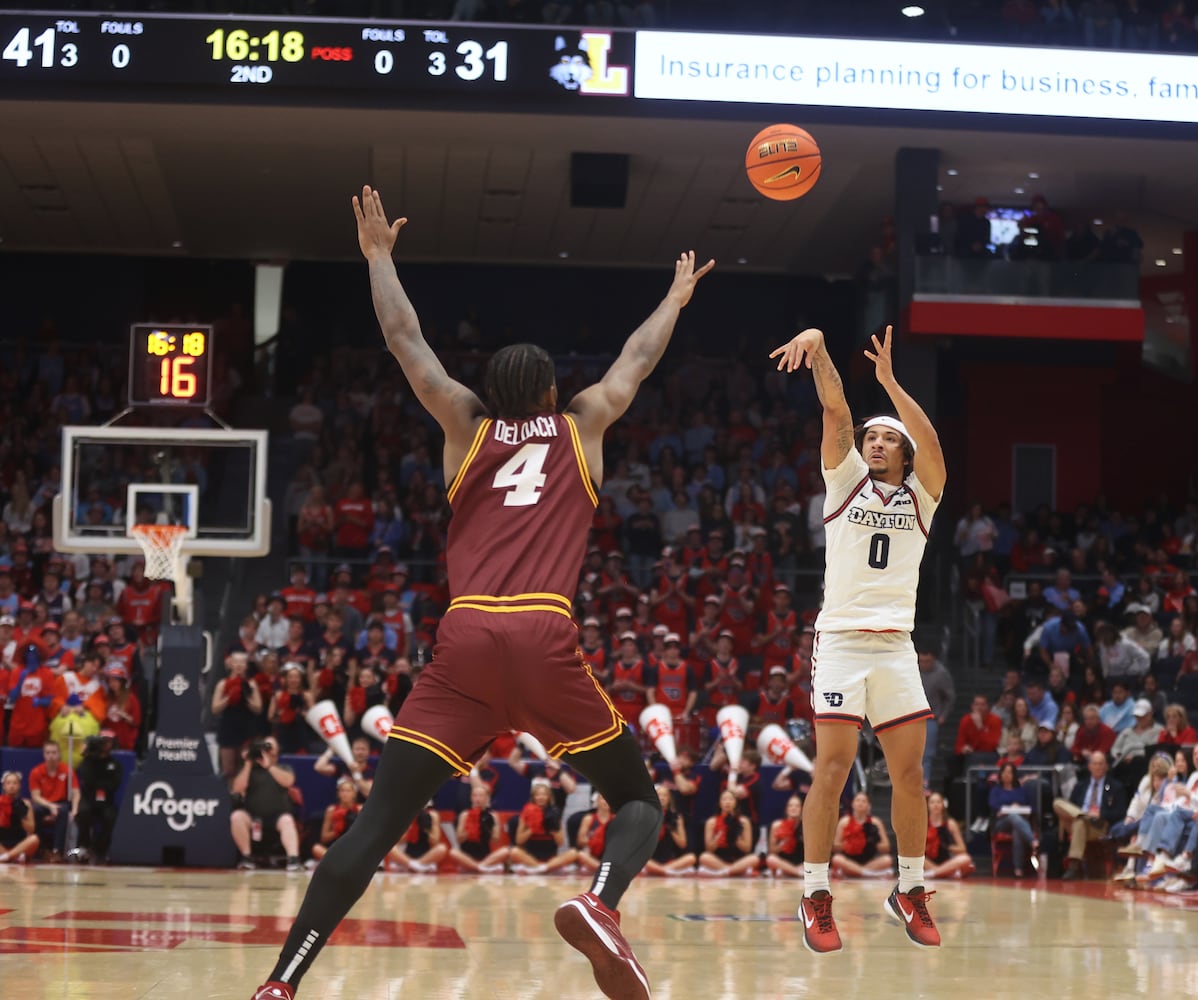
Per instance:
(917,76)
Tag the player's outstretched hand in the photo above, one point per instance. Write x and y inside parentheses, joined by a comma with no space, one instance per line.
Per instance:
(375,236)
(686,277)
(880,356)
(798,351)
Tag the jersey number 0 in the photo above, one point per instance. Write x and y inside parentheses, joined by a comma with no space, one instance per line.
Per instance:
(522,477)
(879,551)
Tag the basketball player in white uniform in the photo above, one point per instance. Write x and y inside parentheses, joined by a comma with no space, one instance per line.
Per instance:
(884,481)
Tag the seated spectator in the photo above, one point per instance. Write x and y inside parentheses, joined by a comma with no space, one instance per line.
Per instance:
(479,835)
(785,857)
(1048,751)
(537,845)
(671,856)
(423,846)
(592,834)
(1093,807)
(93,799)
(1011,806)
(979,732)
(339,816)
(263,805)
(1022,726)
(1178,642)
(1067,726)
(945,855)
(1142,808)
(1093,734)
(1166,836)
(861,846)
(51,803)
(1119,711)
(1118,656)
(728,841)
(1144,631)
(1128,755)
(1062,593)
(18,837)
(1178,732)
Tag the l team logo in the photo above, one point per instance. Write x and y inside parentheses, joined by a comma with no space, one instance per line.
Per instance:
(834,699)
(590,72)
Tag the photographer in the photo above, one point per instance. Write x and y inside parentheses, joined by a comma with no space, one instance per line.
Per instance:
(262,801)
(93,799)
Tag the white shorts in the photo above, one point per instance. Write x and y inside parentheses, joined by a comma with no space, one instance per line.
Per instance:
(867,675)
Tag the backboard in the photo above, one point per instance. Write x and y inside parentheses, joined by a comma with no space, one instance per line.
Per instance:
(212,481)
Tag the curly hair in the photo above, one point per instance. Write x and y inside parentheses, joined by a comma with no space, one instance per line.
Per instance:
(516,380)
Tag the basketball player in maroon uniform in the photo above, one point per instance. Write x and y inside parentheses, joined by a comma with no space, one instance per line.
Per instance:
(523,481)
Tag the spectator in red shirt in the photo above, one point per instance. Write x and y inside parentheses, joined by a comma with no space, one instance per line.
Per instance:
(30,689)
(314,531)
(353,520)
(978,736)
(299,599)
(122,708)
(1179,589)
(140,602)
(51,803)
(1092,735)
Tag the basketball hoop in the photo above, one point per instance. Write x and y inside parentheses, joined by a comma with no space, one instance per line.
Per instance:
(162,545)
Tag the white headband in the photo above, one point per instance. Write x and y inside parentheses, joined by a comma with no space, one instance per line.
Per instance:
(894,424)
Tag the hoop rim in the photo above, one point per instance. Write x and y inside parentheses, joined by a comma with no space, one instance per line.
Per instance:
(166,531)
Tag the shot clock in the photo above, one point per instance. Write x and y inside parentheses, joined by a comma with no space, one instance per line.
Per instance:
(170,365)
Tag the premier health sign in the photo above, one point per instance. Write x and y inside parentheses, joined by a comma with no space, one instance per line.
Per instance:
(919,76)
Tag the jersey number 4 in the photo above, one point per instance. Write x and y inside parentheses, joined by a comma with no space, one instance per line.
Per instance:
(522,477)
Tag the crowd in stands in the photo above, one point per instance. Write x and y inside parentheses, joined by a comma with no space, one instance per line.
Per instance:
(1165,25)
(1094,617)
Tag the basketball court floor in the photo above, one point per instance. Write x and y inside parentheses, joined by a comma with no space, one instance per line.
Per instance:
(149,934)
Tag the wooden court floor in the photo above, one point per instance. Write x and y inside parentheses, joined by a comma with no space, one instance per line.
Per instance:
(147,934)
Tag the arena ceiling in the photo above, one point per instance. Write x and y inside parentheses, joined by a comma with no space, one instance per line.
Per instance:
(274,184)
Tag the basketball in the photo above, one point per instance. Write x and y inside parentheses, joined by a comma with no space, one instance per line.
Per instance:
(783,162)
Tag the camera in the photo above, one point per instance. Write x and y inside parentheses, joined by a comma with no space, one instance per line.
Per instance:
(256,751)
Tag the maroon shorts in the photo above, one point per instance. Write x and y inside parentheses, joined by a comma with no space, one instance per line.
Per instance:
(493,672)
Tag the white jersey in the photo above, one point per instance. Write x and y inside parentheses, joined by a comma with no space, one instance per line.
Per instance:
(876,535)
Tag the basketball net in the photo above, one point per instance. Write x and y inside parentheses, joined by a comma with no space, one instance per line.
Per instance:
(162,545)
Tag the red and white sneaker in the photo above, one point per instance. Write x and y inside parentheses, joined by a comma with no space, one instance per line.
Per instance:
(274,991)
(911,910)
(588,926)
(820,935)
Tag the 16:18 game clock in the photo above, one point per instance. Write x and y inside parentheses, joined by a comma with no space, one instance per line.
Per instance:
(170,365)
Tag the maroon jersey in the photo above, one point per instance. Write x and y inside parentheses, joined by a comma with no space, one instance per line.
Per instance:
(781,647)
(772,711)
(522,502)
(673,686)
(629,703)
(726,692)
(670,611)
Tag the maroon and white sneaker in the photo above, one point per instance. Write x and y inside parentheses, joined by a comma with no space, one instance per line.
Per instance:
(274,991)
(911,910)
(588,926)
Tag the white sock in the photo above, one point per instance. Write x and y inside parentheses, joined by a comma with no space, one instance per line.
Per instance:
(815,878)
(910,873)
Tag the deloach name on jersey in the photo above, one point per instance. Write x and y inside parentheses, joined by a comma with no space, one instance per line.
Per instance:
(514,432)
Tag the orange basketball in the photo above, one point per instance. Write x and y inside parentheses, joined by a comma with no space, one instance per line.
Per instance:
(783,162)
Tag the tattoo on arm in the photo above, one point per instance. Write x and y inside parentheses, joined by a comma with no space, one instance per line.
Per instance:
(830,391)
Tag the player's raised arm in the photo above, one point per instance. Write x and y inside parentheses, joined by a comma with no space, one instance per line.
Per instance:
(452,405)
(809,347)
(601,405)
(929,458)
